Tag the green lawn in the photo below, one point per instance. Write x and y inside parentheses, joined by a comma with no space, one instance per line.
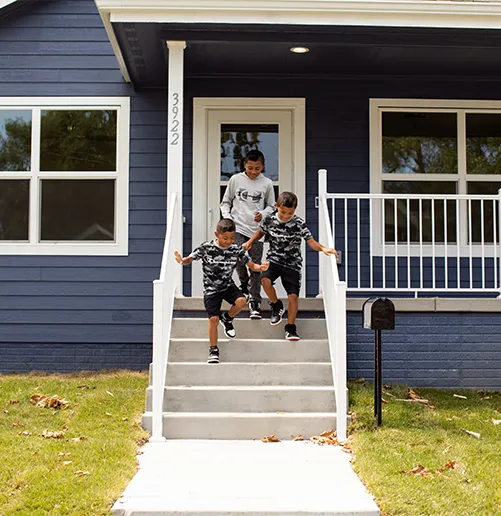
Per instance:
(414,434)
(48,476)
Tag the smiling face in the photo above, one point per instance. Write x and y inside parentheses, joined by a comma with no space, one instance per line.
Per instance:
(253,168)
(284,213)
(225,239)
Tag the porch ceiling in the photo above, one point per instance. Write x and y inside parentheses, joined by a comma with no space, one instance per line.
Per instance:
(220,50)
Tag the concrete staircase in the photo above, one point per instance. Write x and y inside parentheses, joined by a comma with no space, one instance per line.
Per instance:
(264,384)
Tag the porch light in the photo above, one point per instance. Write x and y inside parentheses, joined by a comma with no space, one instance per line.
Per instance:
(299,50)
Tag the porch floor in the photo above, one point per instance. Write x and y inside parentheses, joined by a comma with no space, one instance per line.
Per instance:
(251,478)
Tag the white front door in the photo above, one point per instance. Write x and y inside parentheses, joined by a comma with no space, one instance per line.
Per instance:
(224,131)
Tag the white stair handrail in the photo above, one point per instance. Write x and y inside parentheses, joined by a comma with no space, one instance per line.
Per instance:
(164,290)
(334,295)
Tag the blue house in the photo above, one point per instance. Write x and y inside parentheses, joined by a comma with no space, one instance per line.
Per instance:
(118,115)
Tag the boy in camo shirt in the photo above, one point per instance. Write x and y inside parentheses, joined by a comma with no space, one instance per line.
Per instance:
(285,231)
(219,259)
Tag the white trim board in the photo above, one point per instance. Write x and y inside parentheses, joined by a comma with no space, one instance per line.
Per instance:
(390,13)
(121,176)
(201,110)
(5,3)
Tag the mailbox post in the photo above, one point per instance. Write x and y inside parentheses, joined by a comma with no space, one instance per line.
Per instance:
(378,313)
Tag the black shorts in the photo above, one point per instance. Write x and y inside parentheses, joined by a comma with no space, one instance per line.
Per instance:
(291,279)
(213,302)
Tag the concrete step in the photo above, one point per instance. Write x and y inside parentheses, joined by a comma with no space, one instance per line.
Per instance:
(248,329)
(250,373)
(251,350)
(247,399)
(242,426)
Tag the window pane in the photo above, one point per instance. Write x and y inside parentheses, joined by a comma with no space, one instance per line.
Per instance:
(491,216)
(238,139)
(483,143)
(419,143)
(425,188)
(15,140)
(14,209)
(78,209)
(78,140)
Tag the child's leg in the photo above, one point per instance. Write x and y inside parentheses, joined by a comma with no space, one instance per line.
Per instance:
(256,254)
(243,273)
(269,289)
(292,309)
(236,307)
(213,323)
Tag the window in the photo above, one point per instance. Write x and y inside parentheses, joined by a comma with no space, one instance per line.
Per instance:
(434,147)
(64,176)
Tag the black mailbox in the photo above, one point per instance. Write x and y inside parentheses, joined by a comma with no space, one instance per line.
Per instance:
(378,314)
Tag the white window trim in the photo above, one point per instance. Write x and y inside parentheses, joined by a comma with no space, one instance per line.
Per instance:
(376,107)
(120,247)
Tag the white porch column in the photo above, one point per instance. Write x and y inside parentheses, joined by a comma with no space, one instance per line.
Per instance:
(175,142)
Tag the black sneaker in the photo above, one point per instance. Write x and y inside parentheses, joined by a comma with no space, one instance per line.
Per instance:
(254,310)
(227,323)
(244,287)
(213,355)
(290,332)
(277,309)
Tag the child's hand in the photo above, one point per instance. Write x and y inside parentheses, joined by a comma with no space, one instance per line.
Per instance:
(179,258)
(264,266)
(246,245)
(328,250)
(258,216)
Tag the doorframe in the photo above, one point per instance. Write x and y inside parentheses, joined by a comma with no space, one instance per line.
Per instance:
(201,108)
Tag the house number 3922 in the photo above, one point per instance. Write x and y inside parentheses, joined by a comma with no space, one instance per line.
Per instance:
(174,130)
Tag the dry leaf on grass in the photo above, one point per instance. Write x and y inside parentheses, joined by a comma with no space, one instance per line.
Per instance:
(459,396)
(17,423)
(328,437)
(498,409)
(389,387)
(56,402)
(384,401)
(419,471)
(81,438)
(474,434)
(447,449)
(108,414)
(440,474)
(81,473)
(432,407)
(125,419)
(413,395)
(297,438)
(110,393)
(347,446)
(67,462)
(13,402)
(496,421)
(83,387)
(452,464)
(486,398)
(62,454)
(270,439)
(52,435)
(25,433)
(5,411)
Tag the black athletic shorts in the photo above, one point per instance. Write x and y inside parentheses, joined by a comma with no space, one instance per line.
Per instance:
(213,302)
(291,279)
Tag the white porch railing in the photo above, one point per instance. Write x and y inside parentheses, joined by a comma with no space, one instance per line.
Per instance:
(164,291)
(417,243)
(334,296)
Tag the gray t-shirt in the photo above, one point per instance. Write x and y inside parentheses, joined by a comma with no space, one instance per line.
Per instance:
(218,264)
(243,197)
(285,240)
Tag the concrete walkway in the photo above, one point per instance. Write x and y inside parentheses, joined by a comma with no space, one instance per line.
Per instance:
(247,478)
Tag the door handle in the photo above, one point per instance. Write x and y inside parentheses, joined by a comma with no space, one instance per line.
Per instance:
(210,218)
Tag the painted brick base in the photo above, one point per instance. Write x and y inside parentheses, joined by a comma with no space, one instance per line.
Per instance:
(67,358)
(446,350)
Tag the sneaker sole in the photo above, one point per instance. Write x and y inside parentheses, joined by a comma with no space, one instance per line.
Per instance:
(255,316)
(224,329)
(212,361)
(288,337)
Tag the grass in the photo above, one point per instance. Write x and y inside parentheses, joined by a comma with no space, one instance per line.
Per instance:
(104,407)
(413,434)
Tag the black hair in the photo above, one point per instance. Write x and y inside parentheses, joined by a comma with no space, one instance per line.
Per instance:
(254,155)
(287,200)
(225,226)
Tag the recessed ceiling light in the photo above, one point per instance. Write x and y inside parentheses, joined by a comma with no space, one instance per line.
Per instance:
(299,50)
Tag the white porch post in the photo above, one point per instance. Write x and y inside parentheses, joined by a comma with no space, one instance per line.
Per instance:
(175,142)
(322,237)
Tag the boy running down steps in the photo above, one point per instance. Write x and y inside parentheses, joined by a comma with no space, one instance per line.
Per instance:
(219,259)
(285,231)
(248,199)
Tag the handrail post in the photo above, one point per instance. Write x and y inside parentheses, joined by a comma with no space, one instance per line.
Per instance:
(322,190)
(341,408)
(499,237)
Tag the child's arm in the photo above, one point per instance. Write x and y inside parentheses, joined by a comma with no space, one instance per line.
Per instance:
(269,204)
(227,201)
(258,268)
(183,261)
(317,246)
(254,238)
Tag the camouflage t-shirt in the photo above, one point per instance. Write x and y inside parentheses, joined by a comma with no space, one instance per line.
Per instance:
(285,240)
(218,264)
